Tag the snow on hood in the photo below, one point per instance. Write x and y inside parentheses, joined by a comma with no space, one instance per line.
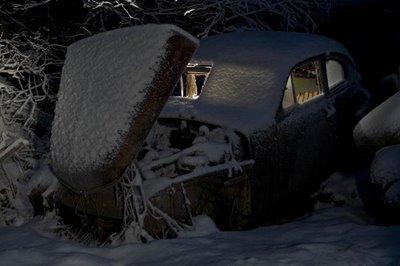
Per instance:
(105,79)
(246,83)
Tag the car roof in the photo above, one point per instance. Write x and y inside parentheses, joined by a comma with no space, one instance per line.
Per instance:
(248,76)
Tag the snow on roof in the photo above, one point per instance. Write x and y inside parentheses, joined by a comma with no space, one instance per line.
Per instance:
(104,81)
(250,69)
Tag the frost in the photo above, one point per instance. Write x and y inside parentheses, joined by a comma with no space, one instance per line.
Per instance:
(162,165)
(15,208)
(210,152)
(249,71)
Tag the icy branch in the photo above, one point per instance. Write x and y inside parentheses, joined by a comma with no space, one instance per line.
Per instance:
(25,5)
(209,17)
(12,149)
(151,187)
(23,78)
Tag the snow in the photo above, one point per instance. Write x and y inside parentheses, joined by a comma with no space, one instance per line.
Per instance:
(249,71)
(350,191)
(324,238)
(385,173)
(104,82)
(15,207)
(328,236)
(154,185)
(44,181)
(380,127)
(211,151)
(339,189)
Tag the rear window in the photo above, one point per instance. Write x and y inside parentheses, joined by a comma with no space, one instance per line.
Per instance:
(335,73)
(192,81)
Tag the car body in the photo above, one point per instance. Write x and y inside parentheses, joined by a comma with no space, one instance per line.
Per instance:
(256,123)
(251,90)
(377,136)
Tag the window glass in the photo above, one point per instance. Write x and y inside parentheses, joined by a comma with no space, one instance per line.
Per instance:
(288,97)
(335,73)
(303,84)
(306,82)
(192,81)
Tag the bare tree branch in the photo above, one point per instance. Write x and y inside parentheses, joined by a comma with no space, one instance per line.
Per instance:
(207,17)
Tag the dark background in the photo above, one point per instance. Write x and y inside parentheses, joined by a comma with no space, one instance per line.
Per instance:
(371,32)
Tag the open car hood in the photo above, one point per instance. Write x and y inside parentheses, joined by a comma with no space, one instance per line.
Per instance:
(113,87)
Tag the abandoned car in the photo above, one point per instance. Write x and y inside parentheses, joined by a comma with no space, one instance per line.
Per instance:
(254,122)
(377,135)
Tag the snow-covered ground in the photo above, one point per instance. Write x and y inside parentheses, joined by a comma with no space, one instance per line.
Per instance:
(328,236)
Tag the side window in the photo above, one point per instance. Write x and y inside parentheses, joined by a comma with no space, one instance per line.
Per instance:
(288,97)
(303,84)
(335,73)
(192,81)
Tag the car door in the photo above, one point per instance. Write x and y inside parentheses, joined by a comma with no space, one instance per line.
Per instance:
(346,97)
(306,128)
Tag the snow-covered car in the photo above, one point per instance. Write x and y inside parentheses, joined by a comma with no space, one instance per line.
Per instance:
(378,134)
(253,125)
(283,104)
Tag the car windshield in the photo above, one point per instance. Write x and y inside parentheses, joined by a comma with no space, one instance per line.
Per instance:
(192,81)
